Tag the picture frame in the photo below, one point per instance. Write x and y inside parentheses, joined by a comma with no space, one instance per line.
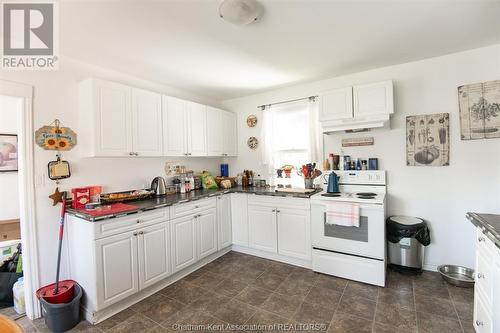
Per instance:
(8,153)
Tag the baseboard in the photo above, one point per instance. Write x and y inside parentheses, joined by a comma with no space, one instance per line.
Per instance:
(273,256)
(430,267)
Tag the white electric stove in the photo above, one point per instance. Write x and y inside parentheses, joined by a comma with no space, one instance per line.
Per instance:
(356,253)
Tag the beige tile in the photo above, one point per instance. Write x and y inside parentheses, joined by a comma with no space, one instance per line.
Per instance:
(384,328)
(430,323)
(462,295)
(230,287)
(293,287)
(209,302)
(235,312)
(465,311)
(281,305)
(331,282)
(208,280)
(396,316)
(358,306)
(184,292)
(253,296)
(136,323)
(323,296)
(309,313)
(345,323)
(402,297)
(116,319)
(398,281)
(354,288)
(435,305)
(268,281)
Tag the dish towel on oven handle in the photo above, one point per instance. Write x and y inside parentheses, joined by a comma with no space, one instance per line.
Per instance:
(342,213)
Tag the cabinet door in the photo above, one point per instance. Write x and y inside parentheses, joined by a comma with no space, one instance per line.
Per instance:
(496,290)
(373,99)
(183,233)
(116,261)
(146,123)
(262,228)
(207,233)
(224,221)
(239,218)
(197,129)
(215,132)
(230,133)
(112,119)
(174,117)
(336,104)
(294,233)
(154,254)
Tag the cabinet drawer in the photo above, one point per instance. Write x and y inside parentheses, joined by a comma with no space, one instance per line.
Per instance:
(130,222)
(270,201)
(484,277)
(482,320)
(484,244)
(190,208)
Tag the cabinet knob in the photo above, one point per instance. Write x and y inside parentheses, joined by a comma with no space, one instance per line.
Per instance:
(480,275)
(135,234)
(131,154)
(141,232)
(139,221)
(479,323)
(136,154)
(274,210)
(278,211)
(481,239)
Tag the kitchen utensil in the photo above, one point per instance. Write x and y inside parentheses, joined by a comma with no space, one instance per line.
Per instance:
(457,275)
(333,183)
(125,196)
(309,183)
(159,186)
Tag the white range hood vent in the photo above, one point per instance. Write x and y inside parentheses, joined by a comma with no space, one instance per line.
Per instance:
(355,125)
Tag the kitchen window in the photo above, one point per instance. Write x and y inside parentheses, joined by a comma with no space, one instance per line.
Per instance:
(290,137)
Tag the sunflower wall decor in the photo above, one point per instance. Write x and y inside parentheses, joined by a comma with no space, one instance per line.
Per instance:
(55,137)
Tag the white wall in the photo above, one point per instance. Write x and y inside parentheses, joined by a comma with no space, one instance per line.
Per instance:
(55,96)
(441,195)
(9,184)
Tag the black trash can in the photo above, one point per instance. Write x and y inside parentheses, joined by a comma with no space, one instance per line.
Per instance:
(406,238)
(62,317)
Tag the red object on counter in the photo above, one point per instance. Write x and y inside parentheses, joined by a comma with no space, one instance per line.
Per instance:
(113,209)
(81,197)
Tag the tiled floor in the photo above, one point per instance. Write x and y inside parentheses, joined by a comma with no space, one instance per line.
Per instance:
(240,289)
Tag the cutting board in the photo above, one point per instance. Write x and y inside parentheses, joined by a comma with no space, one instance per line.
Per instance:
(114,209)
(295,190)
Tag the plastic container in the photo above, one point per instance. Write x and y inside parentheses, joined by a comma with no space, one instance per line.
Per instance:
(64,316)
(18,292)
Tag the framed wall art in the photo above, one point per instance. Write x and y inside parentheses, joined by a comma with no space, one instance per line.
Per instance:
(428,140)
(8,152)
(479,105)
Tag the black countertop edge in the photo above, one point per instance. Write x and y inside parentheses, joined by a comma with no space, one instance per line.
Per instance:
(165,201)
(489,223)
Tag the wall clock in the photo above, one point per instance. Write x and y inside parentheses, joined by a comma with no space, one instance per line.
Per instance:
(252,120)
(252,142)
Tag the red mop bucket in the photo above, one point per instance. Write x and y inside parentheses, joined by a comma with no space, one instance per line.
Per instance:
(61,291)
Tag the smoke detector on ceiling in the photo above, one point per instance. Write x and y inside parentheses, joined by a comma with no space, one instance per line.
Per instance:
(240,12)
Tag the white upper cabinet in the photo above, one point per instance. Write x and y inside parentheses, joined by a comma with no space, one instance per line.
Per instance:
(215,137)
(197,129)
(336,104)
(373,99)
(230,134)
(174,127)
(361,106)
(105,118)
(146,123)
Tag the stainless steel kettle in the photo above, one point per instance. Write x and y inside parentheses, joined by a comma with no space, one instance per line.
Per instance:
(159,186)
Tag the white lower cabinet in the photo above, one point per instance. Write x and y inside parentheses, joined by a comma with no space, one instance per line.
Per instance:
(224,238)
(239,218)
(206,224)
(294,233)
(154,254)
(116,263)
(183,242)
(262,233)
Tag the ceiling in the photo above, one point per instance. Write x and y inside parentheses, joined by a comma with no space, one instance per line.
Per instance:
(185,44)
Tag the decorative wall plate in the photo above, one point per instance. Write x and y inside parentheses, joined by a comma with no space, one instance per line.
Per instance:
(252,120)
(252,142)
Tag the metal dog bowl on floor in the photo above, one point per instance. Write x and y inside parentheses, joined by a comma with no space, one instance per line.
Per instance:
(457,275)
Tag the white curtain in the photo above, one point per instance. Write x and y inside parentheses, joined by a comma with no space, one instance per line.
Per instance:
(315,133)
(267,140)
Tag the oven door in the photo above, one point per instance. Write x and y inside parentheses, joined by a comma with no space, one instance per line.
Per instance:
(367,240)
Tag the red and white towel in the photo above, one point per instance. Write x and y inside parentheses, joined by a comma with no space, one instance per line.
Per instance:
(342,213)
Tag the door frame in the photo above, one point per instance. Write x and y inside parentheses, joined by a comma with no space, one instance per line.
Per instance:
(26,193)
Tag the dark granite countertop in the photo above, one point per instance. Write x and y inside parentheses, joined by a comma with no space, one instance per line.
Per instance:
(169,200)
(490,223)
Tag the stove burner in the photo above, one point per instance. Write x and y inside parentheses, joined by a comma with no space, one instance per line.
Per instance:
(365,197)
(366,194)
(330,194)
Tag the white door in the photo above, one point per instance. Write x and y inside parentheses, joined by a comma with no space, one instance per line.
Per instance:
(183,234)
(197,129)
(294,233)
(262,228)
(230,133)
(154,254)
(335,104)
(373,99)
(112,119)
(215,132)
(224,221)
(146,123)
(239,218)
(116,262)
(174,117)
(207,233)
